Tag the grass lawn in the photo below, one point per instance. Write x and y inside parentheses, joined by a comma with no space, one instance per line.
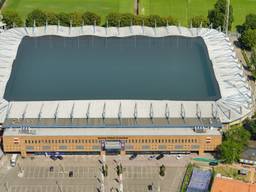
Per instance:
(181,9)
(231,172)
(101,7)
(185,9)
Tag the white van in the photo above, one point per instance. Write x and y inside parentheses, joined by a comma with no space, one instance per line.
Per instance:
(13,160)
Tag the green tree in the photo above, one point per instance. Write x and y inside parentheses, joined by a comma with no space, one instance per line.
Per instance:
(250,22)
(171,20)
(217,16)
(155,20)
(12,18)
(126,19)
(38,16)
(250,125)
(138,20)
(162,171)
(52,18)
(76,18)
(248,38)
(235,141)
(198,21)
(90,18)
(253,62)
(64,19)
(113,19)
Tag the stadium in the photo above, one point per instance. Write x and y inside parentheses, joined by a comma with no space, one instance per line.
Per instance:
(121,90)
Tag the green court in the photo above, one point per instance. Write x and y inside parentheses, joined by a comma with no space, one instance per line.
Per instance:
(101,7)
(183,10)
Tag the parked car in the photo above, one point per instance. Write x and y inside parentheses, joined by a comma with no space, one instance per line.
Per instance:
(54,158)
(60,157)
(160,156)
(179,157)
(133,156)
(213,163)
(51,169)
(70,174)
(151,157)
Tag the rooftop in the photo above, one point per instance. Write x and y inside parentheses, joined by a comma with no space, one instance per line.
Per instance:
(108,132)
(231,185)
(235,101)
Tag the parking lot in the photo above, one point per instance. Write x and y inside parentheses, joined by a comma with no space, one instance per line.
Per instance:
(34,175)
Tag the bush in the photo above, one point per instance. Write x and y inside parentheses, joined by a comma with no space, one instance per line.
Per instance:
(248,38)
(76,19)
(126,19)
(89,18)
(52,18)
(198,21)
(138,20)
(64,19)
(250,22)
(155,20)
(186,178)
(113,19)
(37,16)
(171,20)
(12,18)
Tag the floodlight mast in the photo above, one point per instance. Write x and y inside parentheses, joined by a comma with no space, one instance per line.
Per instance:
(227,16)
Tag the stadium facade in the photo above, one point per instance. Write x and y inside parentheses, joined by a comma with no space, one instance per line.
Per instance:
(123,125)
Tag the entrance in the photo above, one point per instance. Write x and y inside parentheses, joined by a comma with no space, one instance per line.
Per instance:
(112,147)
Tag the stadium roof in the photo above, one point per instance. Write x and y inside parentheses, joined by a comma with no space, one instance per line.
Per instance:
(235,101)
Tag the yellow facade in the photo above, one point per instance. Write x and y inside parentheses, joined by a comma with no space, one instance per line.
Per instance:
(30,144)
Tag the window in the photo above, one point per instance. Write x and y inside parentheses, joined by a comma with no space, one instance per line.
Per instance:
(25,141)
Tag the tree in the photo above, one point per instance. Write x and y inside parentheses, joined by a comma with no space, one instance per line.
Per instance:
(119,169)
(64,19)
(162,171)
(217,16)
(171,20)
(198,21)
(248,38)
(37,16)
(76,19)
(90,18)
(155,20)
(113,19)
(250,22)
(139,20)
(52,18)
(235,141)
(126,19)
(253,62)
(12,18)
(250,125)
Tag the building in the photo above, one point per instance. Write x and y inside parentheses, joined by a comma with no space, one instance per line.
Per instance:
(118,102)
(249,154)
(231,185)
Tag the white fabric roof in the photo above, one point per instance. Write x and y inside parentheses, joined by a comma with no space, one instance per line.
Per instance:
(235,102)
